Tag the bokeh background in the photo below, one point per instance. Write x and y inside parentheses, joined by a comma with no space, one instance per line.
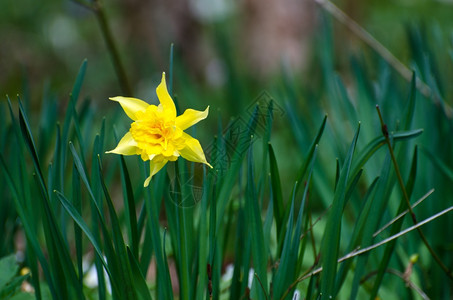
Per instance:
(44,42)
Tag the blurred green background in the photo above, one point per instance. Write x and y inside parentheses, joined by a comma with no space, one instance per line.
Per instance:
(44,42)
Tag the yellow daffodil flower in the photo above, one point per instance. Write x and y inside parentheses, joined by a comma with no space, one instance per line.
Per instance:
(157,134)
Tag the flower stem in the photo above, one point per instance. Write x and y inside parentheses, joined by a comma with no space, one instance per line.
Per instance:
(111,47)
(406,198)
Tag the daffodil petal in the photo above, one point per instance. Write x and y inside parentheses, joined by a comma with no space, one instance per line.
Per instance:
(192,150)
(191,117)
(131,105)
(127,146)
(164,97)
(154,168)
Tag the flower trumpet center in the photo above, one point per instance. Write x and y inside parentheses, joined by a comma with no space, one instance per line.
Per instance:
(156,134)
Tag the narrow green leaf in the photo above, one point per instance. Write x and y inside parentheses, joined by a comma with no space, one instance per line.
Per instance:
(277,195)
(166,277)
(377,143)
(77,202)
(68,117)
(30,234)
(72,211)
(308,159)
(185,265)
(291,255)
(26,133)
(337,172)
(357,233)
(377,206)
(310,288)
(138,280)
(267,224)
(213,256)
(56,246)
(352,182)
(95,186)
(243,144)
(331,239)
(75,118)
(112,258)
(129,205)
(396,227)
(57,160)
(259,250)
(240,240)
(80,169)
(280,277)
(268,119)
(120,247)
(32,261)
(24,192)
(203,233)
(246,262)
(297,253)
(164,288)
